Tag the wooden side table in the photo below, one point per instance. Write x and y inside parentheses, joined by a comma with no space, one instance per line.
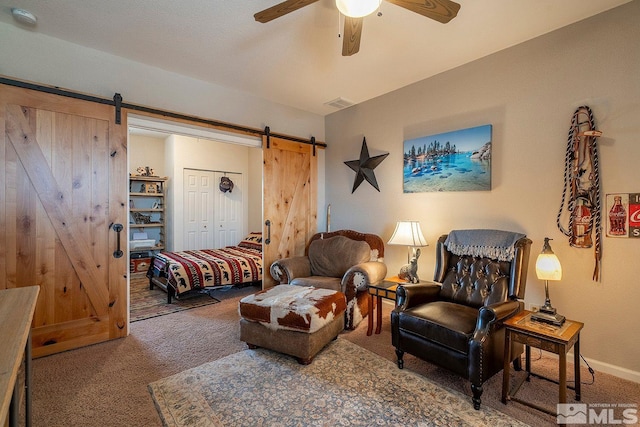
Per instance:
(555,339)
(384,289)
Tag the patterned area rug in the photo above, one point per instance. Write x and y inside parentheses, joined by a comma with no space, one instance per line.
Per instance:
(146,303)
(344,385)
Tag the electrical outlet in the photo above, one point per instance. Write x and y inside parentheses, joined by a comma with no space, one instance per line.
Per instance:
(534,307)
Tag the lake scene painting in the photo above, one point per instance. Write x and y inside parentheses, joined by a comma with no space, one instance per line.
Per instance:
(453,161)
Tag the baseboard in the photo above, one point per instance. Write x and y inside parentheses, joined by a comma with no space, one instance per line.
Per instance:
(616,371)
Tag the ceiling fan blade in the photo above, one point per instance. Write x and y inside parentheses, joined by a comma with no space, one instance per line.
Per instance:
(440,10)
(351,37)
(281,9)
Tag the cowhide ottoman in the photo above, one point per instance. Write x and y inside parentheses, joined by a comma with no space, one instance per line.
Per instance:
(294,320)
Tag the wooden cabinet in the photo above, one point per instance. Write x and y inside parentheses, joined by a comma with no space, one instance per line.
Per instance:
(147,221)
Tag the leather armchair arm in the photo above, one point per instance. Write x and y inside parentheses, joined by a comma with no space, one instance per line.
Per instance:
(286,269)
(371,271)
(491,314)
(411,294)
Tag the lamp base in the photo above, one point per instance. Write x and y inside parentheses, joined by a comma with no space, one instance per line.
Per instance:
(553,319)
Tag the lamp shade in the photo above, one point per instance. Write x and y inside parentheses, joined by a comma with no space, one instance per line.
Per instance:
(548,265)
(357,8)
(408,233)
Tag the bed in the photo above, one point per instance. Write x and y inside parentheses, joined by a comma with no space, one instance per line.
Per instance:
(188,272)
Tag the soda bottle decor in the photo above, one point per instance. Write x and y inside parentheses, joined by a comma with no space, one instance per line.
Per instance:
(581,225)
(617,218)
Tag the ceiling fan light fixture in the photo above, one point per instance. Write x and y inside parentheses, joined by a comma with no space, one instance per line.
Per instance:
(357,8)
(24,16)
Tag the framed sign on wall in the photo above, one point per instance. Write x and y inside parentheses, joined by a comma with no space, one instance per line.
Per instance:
(623,215)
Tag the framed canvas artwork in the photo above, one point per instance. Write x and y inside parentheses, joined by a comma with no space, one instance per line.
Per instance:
(452,161)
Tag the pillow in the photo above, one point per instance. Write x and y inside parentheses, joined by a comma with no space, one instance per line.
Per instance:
(252,241)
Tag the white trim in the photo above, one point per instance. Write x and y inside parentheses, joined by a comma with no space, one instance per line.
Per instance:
(173,128)
(616,371)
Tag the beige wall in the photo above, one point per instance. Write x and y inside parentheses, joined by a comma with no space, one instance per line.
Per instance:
(146,151)
(528,93)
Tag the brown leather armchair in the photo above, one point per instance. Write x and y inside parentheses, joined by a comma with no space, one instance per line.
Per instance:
(343,260)
(457,323)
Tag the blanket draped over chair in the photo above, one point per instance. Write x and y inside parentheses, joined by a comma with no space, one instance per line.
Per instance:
(495,244)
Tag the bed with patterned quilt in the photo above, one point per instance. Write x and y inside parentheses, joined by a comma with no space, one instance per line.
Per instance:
(187,272)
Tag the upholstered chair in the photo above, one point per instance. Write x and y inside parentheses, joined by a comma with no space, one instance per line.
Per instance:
(343,260)
(457,321)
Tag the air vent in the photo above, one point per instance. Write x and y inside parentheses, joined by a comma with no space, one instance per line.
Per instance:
(339,103)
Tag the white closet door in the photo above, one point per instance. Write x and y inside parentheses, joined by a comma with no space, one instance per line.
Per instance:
(199,209)
(229,212)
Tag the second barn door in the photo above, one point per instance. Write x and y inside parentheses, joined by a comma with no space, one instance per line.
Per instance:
(290,200)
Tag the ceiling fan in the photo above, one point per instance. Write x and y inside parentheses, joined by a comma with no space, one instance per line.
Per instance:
(355,10)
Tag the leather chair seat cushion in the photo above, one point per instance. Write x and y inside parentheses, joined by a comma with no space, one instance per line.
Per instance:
(322,282)
(332,257)
(445,323)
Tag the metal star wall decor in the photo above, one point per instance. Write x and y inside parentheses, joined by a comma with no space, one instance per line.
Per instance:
(364,167)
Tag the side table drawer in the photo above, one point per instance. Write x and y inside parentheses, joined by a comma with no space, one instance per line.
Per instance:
(535,342)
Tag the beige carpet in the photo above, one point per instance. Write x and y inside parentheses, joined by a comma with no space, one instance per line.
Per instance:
(344,385)
(106,384)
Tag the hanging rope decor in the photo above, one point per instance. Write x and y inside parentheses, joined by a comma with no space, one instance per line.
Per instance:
(581,194)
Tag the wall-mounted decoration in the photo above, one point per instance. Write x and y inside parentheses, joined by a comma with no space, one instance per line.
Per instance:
(225,184)
(579,216)
(623,215)
(364,167)
(452,161)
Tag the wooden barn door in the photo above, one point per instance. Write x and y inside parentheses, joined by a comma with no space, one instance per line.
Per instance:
(63,185)
(290,179)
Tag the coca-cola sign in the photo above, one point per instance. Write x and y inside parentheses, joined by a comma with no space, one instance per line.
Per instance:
(623,211)
(634,215)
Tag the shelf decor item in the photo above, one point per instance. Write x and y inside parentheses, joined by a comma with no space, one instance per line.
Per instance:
(145,171)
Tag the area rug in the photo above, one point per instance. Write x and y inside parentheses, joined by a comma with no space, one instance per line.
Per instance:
(146,303)
(344,385)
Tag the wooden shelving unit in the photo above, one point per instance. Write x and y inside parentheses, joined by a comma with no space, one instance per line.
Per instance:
(147,214)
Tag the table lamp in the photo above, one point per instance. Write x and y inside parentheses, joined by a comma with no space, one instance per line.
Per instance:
(408,233)
(548,268)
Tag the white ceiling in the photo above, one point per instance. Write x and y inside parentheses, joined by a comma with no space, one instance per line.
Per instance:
(296,59)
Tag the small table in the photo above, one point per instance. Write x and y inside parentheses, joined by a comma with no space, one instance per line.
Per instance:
(384,289)
(555,339)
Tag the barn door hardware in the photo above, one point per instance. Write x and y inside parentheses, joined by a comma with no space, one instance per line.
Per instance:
(267,133)
(117,101)
(268,239)
(118,252)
